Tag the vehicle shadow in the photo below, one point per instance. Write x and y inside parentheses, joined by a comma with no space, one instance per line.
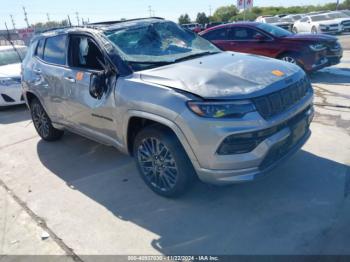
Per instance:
(327,77)
(14,114)
(282,213)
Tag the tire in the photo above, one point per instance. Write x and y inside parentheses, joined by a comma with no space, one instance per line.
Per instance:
(162,162)
(42,122)
(314,31)
(290,58)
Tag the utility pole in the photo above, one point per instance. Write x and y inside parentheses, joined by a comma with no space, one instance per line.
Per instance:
(77,16)
(150,10)
(13,22)
(210,11)
(26,17)
(48,17)
(69,22)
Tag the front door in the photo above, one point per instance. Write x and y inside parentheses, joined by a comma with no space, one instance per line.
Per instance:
(251,41)
(93,116)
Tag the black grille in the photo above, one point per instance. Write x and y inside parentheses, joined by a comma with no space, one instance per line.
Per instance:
(347,22)
(273,104)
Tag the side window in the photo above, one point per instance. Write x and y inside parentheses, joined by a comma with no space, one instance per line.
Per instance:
(218,34)
(84,53)
(55,50)
(243,34)
(305,19)
(40,49)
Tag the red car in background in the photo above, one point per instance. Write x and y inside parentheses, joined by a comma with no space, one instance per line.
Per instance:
(194,27)
(311,52)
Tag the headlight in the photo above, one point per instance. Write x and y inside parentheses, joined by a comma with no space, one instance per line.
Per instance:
(8,81)
(317,47)
(231,109)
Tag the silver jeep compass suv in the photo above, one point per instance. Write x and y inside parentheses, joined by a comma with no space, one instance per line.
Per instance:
(178,104)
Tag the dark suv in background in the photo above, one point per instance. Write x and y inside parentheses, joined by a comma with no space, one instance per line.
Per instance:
(311,52)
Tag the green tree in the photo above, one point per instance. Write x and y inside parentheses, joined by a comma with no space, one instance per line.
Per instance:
(50,24)
(184,19)
(202,18)
(225,13)
(345,4)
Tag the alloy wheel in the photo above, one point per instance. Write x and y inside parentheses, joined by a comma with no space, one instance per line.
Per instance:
(41,120)
(157,164)
(289,59)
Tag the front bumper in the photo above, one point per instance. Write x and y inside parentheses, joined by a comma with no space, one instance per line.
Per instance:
(268,154)
(205,138)
(334,56)
(11,95)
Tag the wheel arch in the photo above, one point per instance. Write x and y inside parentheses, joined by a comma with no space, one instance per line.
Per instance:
(295,54)
(137,120)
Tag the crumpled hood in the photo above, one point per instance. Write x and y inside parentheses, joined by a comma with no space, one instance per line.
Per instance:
(13,70)
(224,75)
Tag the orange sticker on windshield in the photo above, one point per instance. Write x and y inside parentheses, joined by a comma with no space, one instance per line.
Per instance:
(79,76)
(277,73)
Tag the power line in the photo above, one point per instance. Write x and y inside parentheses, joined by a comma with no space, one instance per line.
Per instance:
(69,22)
(151,11)
(26,17)
(13,22)
(77,16)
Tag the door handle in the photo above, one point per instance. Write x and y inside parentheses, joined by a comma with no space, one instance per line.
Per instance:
(70,79)
(37,71)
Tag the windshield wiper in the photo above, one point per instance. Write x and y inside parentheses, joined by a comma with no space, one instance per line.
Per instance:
(167,62)
(194,56)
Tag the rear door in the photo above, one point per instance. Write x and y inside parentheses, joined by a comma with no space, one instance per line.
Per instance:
(251,41)
(219,38)
(92,116)
(303,25)
(49,68)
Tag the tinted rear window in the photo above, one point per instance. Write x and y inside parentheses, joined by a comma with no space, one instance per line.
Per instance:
(55,50)
(40,48)
(216,34)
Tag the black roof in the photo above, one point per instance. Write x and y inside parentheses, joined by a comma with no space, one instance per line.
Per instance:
(104,26)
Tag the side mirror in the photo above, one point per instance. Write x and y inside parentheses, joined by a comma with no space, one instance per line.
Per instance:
(260,38)
(97,85)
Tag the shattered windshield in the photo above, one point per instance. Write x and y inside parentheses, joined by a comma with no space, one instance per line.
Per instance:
(10,56)
(158,43)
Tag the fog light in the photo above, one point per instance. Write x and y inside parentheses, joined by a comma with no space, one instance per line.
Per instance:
(244,143)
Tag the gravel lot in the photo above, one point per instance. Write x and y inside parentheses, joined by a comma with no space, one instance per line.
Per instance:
(90,199)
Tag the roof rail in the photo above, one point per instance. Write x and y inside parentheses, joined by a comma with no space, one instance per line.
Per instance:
(123,21)
(57,28)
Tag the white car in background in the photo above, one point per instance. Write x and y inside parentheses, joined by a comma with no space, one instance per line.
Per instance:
(317,24)
(274,20)
(342,18)
(10,75)
(292,18)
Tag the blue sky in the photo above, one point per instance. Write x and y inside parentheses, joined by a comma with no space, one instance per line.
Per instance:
(114,10)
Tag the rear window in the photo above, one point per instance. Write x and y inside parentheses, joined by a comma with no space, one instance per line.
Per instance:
(217,34)
(317,18)
(40,48)
(55,50)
